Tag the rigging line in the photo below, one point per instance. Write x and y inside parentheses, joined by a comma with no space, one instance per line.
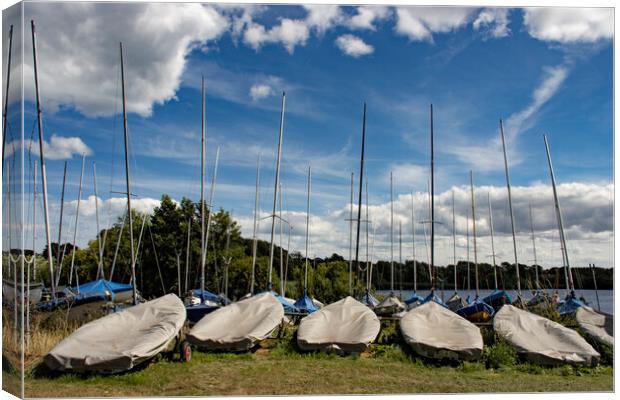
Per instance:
(156,260)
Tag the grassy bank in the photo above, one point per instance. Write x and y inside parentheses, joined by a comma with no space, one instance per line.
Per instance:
(272,372)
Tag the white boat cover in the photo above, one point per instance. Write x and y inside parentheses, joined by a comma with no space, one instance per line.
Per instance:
(541,340)
(120,341)
(238,326)
(390,305)
(433,331)
(346,326)
(597,325)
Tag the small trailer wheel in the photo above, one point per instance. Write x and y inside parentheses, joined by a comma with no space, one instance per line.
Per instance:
(185,351)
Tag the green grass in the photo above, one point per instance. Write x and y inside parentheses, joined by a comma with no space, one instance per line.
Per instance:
(281,369)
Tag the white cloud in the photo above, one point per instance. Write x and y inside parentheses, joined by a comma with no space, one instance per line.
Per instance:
(58,147)
(78,52)
(367,16)
(260,91)
(419,23)
(493,22)
(353,46)
(569,25)
(290,32)
(323,17)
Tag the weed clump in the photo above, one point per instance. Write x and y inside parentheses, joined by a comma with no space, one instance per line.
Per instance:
(500,354)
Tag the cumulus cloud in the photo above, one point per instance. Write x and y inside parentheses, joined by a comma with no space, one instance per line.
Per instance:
(367,16)
(419,23)
(78,52)
(260,91)
(569,25)
(58,147)
(493,22)
(290,32)
(323,17)
(353,46)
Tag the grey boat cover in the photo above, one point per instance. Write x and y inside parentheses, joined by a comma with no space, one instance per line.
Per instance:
(122,340)
(541,340)
(597,325)
(238,326)
(345,326)
(435,332)
(390,305)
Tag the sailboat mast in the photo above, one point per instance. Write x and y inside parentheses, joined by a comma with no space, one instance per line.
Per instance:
(203,234)
(6,95)
(275,193)
(187,254)
(75,229)
(62,209)
(391,233)
(468,274)
(99,248)
(434,278)
(307,228)
(359,202)
(415,263)
(534,247)
(473,214)
(400,256)
(128,183)
(211,194)
(512,215)
(351,239)
(281,252)
(568,273)
(254,241)
(50,259)
(454,240)
(367,247)
(492,239)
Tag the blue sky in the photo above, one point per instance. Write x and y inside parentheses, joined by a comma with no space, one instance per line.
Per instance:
(542,70)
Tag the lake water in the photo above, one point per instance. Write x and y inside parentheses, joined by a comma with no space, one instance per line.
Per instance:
(606,297)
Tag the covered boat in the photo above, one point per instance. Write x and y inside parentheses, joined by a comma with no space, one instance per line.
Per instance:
(455,302)
(345,326)
(368,299)
(414,301)
(570,304)
(200,303)
(305,304)
(238,326)
(477,311)
(434,331)
(122,340)
(598,326)
(389,306)
(497,299)
(541,340)
(8,291)
(287,304)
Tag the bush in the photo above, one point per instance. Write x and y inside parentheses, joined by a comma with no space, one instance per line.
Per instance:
(501,354)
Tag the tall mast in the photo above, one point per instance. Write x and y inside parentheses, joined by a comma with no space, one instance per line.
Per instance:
(468,274)
(434,277)
(187,253)
(473,217)
(281,252)
(415,263)
(255,242)
(367,252)
(391,233)
(454,240)
(400,256)
(99,247)
(6,95)
(203,246)
(50,259)
(558,212)
(351,239)
(534,247)
(275,192)
(62,208)
(128,183)
(211,194)
(359,202)
(512,215)
(492,239)
(75,229)
(307,228)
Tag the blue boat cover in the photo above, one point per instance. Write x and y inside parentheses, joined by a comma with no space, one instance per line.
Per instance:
(474,307)
(305,304)
(369,300)
(433,297)
(570,305)
(288,307)
(99,286)
(414,298)
(497,299)
(207,295)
